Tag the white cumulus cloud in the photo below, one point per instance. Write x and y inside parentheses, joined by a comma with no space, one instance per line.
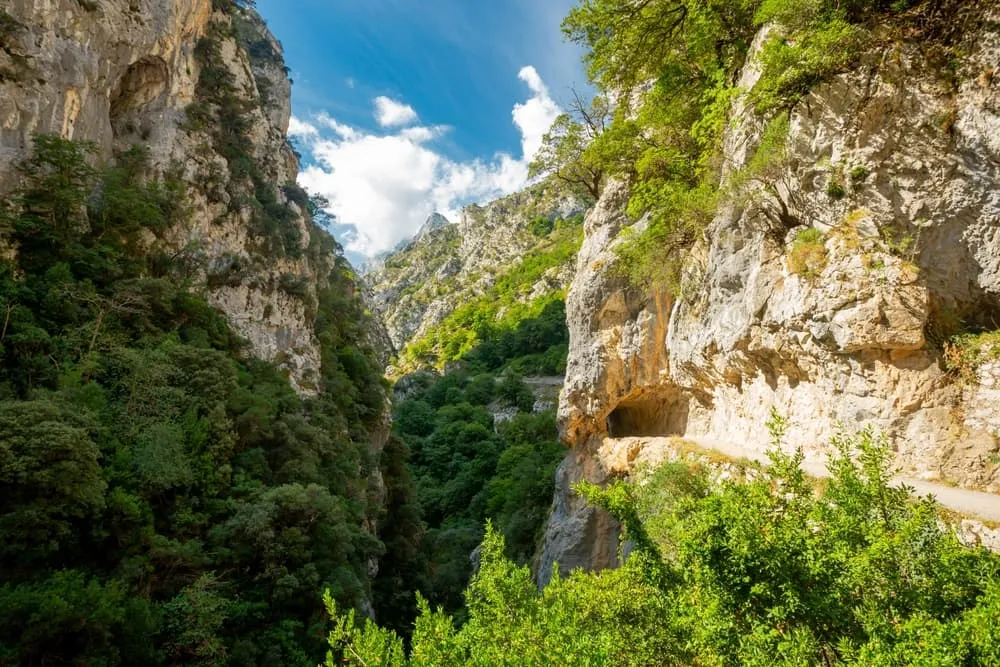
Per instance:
(421,134)
(534,117)
(390,113)
(383,186)
(301,129)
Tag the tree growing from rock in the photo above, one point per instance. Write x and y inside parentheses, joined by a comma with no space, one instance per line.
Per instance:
(564,153)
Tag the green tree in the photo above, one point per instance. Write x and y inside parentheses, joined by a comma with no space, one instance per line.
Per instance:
(64,613)
(564,154)
(763,570)
(49,465)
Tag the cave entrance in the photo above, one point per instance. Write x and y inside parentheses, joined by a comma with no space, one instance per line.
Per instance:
(650,415)
(141,91)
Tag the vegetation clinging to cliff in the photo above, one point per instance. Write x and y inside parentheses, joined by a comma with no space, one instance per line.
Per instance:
(165,499)
(672,66)
(493,319)
(222,112)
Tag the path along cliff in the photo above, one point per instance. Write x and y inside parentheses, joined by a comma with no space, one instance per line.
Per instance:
(892,173)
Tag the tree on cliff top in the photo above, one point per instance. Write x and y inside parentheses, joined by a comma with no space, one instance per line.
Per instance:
(564,154)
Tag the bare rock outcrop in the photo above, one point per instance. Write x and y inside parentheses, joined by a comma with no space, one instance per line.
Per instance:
(897,169)
(121,73)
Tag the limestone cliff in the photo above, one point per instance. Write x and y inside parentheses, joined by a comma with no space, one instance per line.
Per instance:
(896,165)
(190,80)
(446,264)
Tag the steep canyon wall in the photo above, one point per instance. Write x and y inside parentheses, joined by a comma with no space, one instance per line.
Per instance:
(897,165)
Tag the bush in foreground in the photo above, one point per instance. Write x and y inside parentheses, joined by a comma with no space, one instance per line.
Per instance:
(760,572)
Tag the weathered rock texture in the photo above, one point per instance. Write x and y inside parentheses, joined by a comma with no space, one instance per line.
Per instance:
(125,72)
(914,242)
(446,264)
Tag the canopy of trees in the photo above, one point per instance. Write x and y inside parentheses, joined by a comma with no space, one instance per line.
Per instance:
(164,499)
(466,468)
(769,570)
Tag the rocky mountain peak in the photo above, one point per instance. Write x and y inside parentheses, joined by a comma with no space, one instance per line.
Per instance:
(446,264)
(434,222)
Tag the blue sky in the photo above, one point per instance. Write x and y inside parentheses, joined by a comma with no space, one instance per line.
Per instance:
(404,107)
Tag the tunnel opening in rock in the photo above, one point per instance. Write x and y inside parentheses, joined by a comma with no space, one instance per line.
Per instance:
(651,415)
(139,95)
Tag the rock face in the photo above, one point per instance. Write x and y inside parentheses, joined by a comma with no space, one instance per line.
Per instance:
(126,72)
(447,263)
(899,170)
(77,72)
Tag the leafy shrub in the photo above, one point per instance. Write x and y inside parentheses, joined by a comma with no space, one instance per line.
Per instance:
(294,285)
(542,225)
(296,193)
(514,392)
(653,257)
(766,571)
(965,353)
(770,153)
(807,256)
(859,174)
(835,190)
(792,68)
(899,242)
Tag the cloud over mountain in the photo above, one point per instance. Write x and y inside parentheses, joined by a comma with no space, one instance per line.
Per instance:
(382,185)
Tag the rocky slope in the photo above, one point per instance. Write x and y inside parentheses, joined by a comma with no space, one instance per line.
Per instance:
(446,264)
(182,108)
(121,73)
(897,165)
(203,87)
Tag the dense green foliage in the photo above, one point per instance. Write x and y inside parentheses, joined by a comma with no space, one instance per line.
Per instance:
(163,498)
(673,67)
(467,468)
(762,571)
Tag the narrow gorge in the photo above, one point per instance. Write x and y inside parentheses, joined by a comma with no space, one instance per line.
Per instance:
(710,376)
